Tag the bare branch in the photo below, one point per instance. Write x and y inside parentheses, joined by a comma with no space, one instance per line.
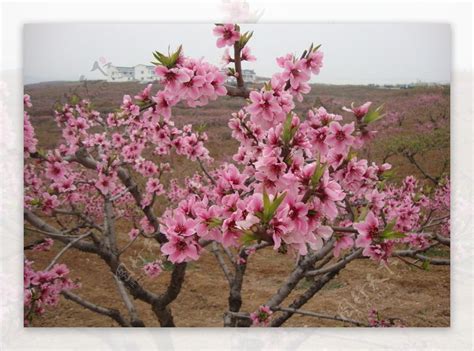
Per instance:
(109,312)
(65,248)
(298,273)
(213,181)
(321,315)
(220,259)
(49,230)
(135,321)
(336,266)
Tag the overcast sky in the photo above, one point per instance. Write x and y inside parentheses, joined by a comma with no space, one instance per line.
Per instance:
(354,53)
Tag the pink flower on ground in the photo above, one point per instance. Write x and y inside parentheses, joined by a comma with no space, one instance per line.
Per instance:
(368,230)
(261,317)
(340,138)
(227,34)
(181,249)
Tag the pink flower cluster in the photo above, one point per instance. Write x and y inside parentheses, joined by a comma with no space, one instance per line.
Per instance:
(42,288)
(261,317)
(153,269)
(194,81)
(29,140)
(228,34)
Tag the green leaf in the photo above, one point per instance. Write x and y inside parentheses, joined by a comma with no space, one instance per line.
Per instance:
(270,207)
(362,213)
(74,99)
(426,265)
(275,204)
(374,115)
(388,174)
(389,235)
(248,238)
(215,223)
(318,173)
(35,202)
(244,38)
(390,225)
(167,266)
(287,135)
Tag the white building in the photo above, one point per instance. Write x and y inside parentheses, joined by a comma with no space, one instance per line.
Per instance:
(249,76)
(141,73)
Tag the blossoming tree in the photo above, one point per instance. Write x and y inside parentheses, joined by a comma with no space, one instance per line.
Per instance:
(296,185)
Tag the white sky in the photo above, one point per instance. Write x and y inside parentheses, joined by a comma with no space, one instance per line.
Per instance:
(354,53)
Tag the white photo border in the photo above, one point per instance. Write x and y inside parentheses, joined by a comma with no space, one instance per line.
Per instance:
(13,336)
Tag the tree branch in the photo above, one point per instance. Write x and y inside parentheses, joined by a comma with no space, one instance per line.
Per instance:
(65,248)
(320,315)
(109,312)
(135,321)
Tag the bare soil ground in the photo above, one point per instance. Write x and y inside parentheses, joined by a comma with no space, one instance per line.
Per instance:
(420,298)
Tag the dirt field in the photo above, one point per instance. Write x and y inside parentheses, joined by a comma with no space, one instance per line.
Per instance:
(420,298)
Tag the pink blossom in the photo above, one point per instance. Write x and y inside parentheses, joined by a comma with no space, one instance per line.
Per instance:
(179,224)
(27,101)
(145,94)
(368,230)
(379,252)
(164,101)
(261,317)
(181,249)
(227,33)
(153,186)
(314,62)
(263,108)
(344,242)
(105,184)
(360,111)
(295,72)
(55,171)
(172,78)
(340,138)
(50,202)
(133,233)
(129,107)
(153,269)
(46,245)
(246,55)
